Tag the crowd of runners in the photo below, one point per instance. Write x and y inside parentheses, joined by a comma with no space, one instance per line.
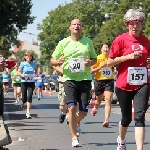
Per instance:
(75,60)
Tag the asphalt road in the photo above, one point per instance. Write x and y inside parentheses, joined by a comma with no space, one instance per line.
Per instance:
(44,132)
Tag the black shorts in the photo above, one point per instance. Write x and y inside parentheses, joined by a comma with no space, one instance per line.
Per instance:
(17,84)
(6,83)
(103,85)
(77,91)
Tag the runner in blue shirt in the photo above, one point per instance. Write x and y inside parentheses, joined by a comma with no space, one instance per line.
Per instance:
(26,71)
(6,81)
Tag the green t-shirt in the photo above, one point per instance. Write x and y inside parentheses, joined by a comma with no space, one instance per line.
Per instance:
(75,53)
(17,78)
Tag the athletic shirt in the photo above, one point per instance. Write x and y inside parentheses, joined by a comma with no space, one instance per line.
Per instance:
(75,53)
(104,73)
(6,77)
(126,44)
(28,69)
(17,78)
(39,79)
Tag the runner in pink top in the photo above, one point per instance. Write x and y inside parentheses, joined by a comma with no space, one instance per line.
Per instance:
(130,50)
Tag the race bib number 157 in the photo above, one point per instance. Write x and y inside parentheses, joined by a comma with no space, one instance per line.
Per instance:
(137,75)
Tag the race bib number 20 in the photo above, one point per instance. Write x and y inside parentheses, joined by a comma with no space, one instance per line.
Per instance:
(137,75)
(76,65)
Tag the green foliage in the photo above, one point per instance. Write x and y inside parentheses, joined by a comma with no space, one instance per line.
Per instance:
(15,16)
(95,25)
(19,56)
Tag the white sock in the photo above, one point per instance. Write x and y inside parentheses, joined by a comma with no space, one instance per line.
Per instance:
(64,113)
(28,111)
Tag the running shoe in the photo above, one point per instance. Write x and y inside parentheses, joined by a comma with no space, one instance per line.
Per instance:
(18,98)
(22,106)
(38,98)
(94,111)
(121,144)
(16,101)
(62,118)
(75,143)
(5,94)
(67,121)
(28,116)
(78,131)
(106,123)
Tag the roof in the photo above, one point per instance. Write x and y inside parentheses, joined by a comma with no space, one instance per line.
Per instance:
(25,45)
(17,49)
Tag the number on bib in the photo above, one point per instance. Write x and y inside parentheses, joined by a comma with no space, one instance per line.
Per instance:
(76,65)
(17,78)
(106,72)
(5,80)
(137,75)
(29,78)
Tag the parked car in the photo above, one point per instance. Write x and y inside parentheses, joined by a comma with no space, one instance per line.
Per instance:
(53,81)
(46,81)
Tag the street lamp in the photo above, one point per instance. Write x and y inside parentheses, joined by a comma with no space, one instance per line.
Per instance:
(107,15)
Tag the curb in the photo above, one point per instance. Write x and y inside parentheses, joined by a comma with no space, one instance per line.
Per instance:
(3,135)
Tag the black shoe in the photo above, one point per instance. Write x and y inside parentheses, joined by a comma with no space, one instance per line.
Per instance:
(62,118)
(38,98)
(22,107)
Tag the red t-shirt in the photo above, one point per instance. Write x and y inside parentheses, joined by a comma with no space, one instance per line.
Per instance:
(126,44)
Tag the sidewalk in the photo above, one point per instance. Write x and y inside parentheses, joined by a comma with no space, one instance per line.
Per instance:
(4,140)
(3,135)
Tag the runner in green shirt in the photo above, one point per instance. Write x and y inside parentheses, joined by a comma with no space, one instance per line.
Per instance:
(16,80)
(76,54)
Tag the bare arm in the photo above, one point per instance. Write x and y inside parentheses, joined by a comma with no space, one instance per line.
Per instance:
(90,62)
(12,77)
(117,60)
(95,69)
(57,62)
(20,73)
(58,69)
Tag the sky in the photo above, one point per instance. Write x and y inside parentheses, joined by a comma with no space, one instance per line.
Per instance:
(40,9)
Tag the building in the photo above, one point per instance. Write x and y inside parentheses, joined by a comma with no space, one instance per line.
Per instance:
(25,45)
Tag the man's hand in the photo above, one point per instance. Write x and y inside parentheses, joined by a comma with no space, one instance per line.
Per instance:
(87,62)
(61,60)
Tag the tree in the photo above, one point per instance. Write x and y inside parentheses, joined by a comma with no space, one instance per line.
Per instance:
(15,16)
(19,55)
(95,25)
(56,26)
(114,23)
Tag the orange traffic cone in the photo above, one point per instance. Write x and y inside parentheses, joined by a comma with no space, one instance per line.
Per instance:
(92,101)
(45,91)
(50,92)
(132,109)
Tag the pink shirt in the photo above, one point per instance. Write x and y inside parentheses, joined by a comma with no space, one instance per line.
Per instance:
(126,44)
